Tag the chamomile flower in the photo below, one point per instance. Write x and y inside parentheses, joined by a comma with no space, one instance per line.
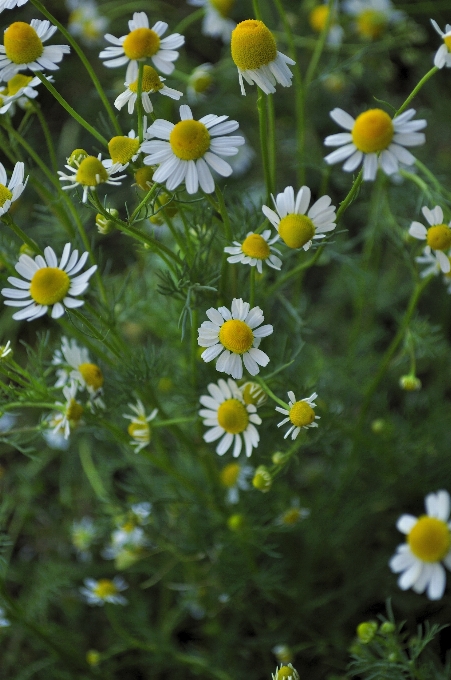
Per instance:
(285,672)
(437,236)
(235,478)
(10,4)
(255,54)
(293,515)
(123,149)
(20,89)
(10,191)
(429,261)
(104,590)
(229,418)
(69,417)
(419,560)
(48,284)
(140,44)
(189,147)
(376,139)
(253,394)
(296,228)
(151,83)
(300,414)
(317,20)
(199,82)
(139,428)
(90,171)
(75,365)
(217,22)
(83,534)
(85,21)
(23,48)
(443,55)
(255,249)
(372,17)
(235,336)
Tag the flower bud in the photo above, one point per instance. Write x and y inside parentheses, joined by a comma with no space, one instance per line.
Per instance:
(366,631)
(262,479)
(410,383)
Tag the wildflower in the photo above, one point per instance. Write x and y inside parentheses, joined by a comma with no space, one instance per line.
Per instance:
(234,477)
(255,54)
(317,19)
(437,236)
(443,55)
(10,4)
(230,418)
(48,284)
(103,224)
(429,259)
(16,185)
(189,147)
(377,139)
(235,522)
(139,428)
(83,534)
(151,83)
(372,16)
(234,336)
(419,560)
(85,21)
(293,515)
(300,414)
(366,631)
(410,383)
(286,672)
(144,178)
(200,80)
(143,43)
(296,229)
(4,622)
(20,89)
(69,417)
(262,479)
(253,394)
(89,172)
(255,249)
(77,366)
(104,590)
(216,21)
(123,150)
(23,48)
(5,350)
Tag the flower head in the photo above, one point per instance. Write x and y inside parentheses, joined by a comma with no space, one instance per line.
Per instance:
(216,21)
(419,560)
(300,414)
(139,429)
(235,479)
(255,54)
(253,394)
(437,236)
(83,534)
(104,590)
(430,262)
(229,418)
(85,21)
(200,81)
(372,16)
(89,171)
(124,149)
(376,139)
(254,250)
(285,672)
(189,147)
(151,83)
(75,365)
(235,336)
(443,55)
(20,89)
(70,414)
(10,191)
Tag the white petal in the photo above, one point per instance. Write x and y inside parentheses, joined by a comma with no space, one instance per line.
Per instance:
(437,582)
(342,118)
(405,523)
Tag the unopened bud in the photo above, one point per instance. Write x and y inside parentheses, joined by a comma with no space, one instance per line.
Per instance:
(262,479)
(410,383)
(366,631)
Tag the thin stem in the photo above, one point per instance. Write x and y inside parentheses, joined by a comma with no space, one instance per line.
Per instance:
(94,332)
(139,104)
(271,140)
(263,127)
(256,8)
(416,89)
(270,393)
(224,214)
(174,421)
(47,135)
(143,203)
(319,47)
(7,219)
(297,270)
(187,21)
(344,205)
(252,287)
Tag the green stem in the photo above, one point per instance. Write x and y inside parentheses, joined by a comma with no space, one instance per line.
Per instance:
(143,203)
(297,270)
(174,421)
(252,287)
(263,127)
(187,21)
(224,214)
(270,393)
(319,47)
(7,219)
(139,104)
(93,330)
(194,346)
(344,205)
(47,135)
(415,90)
(256,8)
(91,471)
(271,140)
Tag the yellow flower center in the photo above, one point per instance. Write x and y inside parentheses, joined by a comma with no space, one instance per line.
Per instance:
(255,245)
(202,82)
(5,194)
(74,411)
(91,172)
(285,672)
(296,230)
(76,157)
(104,588)
(128,527)
(150,83)
(22,43)
(92,375)
(139,429)
(122,149)
(253,394)
(229,475)
(301,414)
(17,82)
(429,539)
(371,23)
(318,17)
(439,237)
(232,416)
(189,140)
(291,516)
(447,41)
(236,336)
(141,43)
(253,45)
(373,131)
(49,285)
(143,177)
(224,7)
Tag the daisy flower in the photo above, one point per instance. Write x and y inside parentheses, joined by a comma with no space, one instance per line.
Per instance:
(300,414)
(430,262)
(70,415)
(23,48)
(255,249)
(419,560)
(295,228)
(151,83)
(10,191)
(10,4)
(253,394)
(293,515)
(229,418)
(139,428)
(88,172)
(83,534)
(189,147)
(443,55)
(285,672)
(317,19)
(235,478)
(376,139)
(20,89)
(77,367)
(372,16)
(235,336)
(255,54)
(48,284)
(104,590)
(143,43)
(216,21)
(85,21)
(123,149)
(199,82)
(437,236)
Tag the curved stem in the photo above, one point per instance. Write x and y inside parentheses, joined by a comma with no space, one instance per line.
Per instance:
(319,47)
(415,90)
(270,393)
(7,219)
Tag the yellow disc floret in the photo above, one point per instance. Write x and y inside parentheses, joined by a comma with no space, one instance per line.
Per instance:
(371,23)
(255,245)
(141,43)
(253,45)
(22,43)
(105,588)
(5,195)
(296,230)
(318,17)
(229,475)
(447,41)
(233,416)
(151,81)
(224,7)
(291,516)
(49,285)
(17,82)
(122,149)
(92,375)
(439,237)
(285,673)
(143,177)
(301,414)
(91,172)
(236,336)
(189,140)
(74,412)
(373,131)
(429,539)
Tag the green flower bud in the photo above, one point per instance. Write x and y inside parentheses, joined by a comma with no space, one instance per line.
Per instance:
(366,631)
(262,479)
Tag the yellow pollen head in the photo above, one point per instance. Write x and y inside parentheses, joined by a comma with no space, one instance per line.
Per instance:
(447,41)
(301,414)
(22,43)
(253,394)
(5,195)
(17,82)
(223,7)
(141,43)
(122,149)
(92,375)
(76,157)
(255,245)
(371,23)
(439,237)
(429,539)
(91,172)
(105,588)
(287,672)
(150,83)
(139,429)
(318,17)
(189,140)
(74,411)
(291,516)
(143,177)
(236,336)
(252,45)
(296,230)
(233,416)
(49,285)
(201,82)
(229,475)
(373,131)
